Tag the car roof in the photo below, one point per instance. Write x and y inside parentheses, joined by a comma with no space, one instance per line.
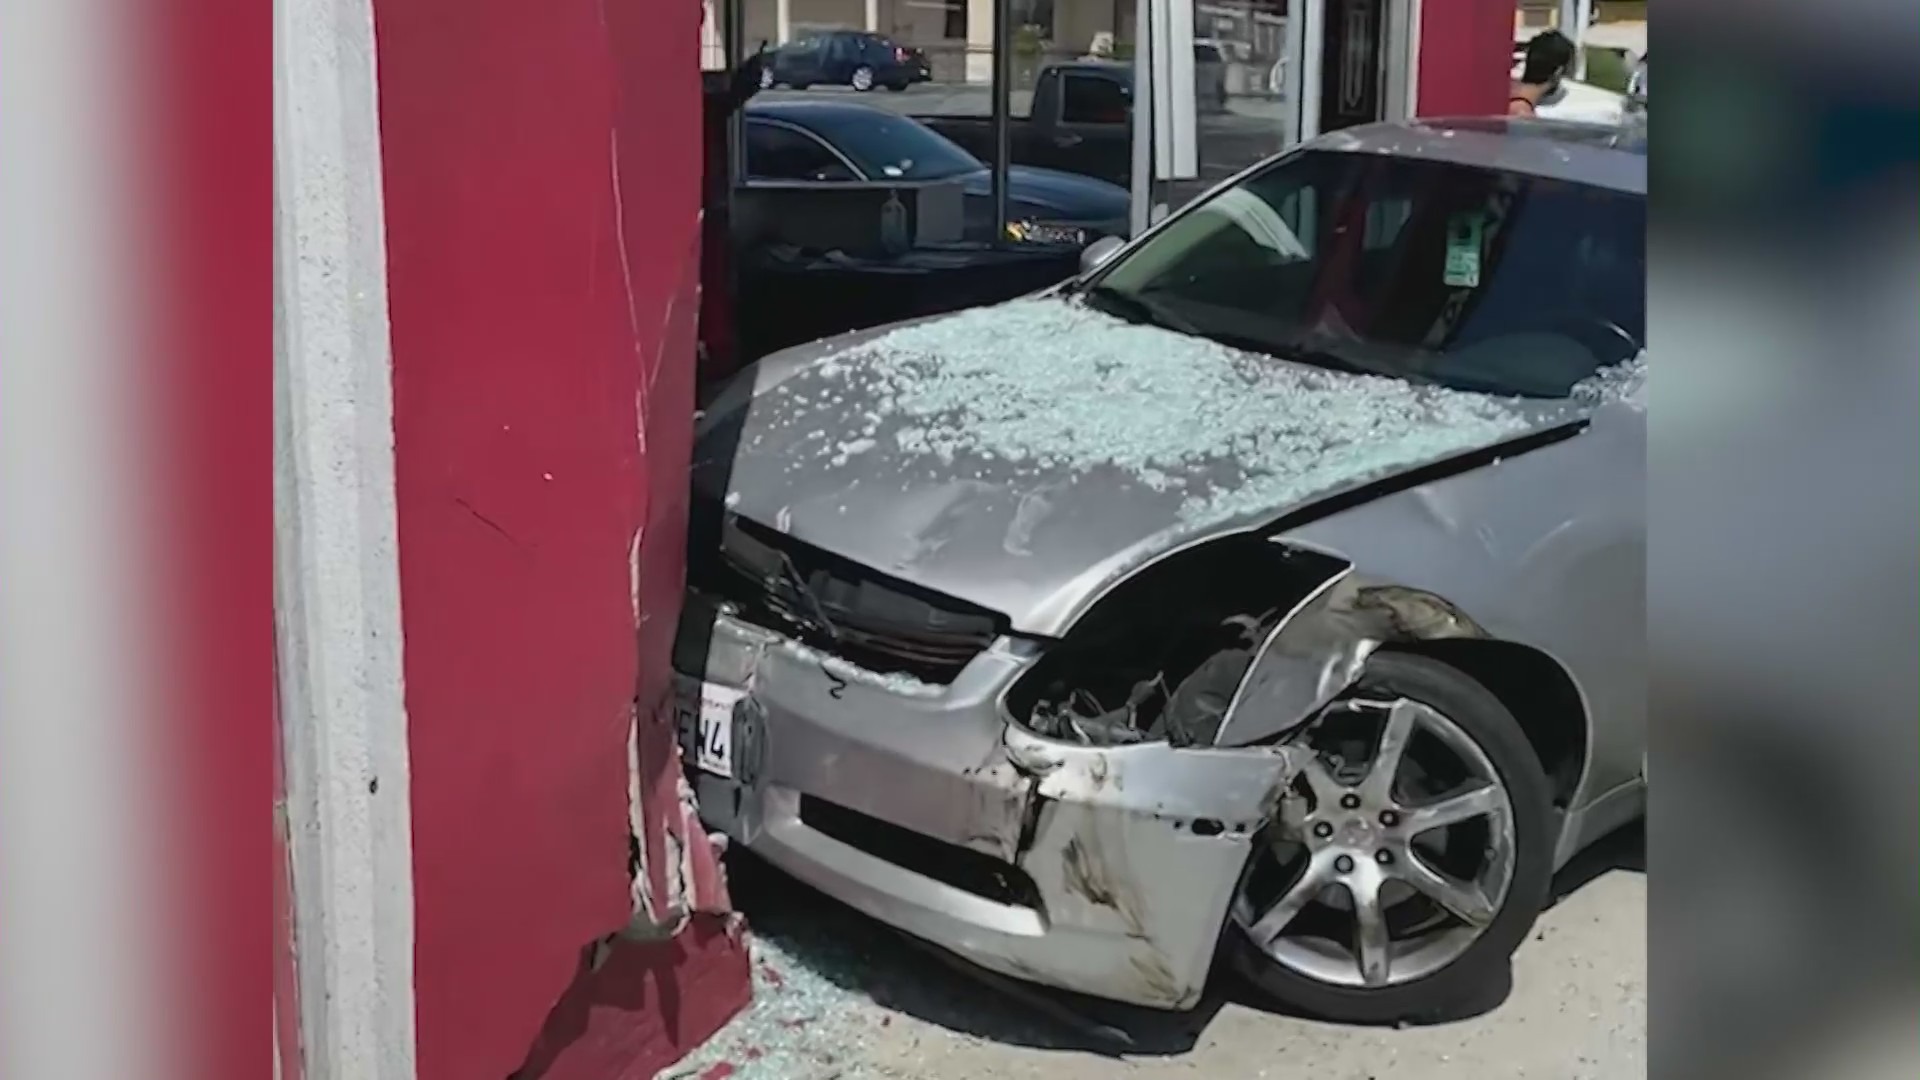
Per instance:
(1103,67)
(1607,156)
(822,111)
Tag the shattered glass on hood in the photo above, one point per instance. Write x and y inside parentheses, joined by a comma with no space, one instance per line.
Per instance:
(1019,457)
(1056,387)
(1625,382)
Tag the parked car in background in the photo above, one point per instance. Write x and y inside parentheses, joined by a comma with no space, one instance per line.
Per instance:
(829,142)
(855,58)
(1081,121)
(1275,590)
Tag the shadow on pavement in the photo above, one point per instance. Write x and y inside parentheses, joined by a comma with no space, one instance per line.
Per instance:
(1624,848)
(860,955)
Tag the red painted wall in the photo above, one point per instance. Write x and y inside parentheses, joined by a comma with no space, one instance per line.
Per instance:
(1466,54)
(542,181)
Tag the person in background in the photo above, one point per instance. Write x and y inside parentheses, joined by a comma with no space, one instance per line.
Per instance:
(1549,58)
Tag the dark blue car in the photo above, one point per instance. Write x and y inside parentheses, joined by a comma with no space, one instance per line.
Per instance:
(841,141)
(856,58)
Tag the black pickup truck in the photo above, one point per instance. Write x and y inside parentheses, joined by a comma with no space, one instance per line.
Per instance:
(1081,121)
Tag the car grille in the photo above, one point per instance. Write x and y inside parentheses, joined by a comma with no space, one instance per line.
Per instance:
(834,604)
(962,868)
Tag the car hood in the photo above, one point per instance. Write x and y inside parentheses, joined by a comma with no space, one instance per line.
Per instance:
(1026,456)
(1076,197)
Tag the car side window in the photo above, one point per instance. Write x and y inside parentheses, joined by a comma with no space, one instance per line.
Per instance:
(775,152)
(1093,99)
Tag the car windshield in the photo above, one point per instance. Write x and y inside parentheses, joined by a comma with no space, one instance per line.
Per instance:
(1472,278)
(896,148)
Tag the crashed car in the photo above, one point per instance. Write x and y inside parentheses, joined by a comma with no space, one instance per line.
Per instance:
(1273,591)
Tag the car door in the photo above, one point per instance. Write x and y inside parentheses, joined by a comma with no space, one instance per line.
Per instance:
(1090,133)
(840,56)
(798,63)
(782,152)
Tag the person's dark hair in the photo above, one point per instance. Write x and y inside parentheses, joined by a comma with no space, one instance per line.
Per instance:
(1549,56)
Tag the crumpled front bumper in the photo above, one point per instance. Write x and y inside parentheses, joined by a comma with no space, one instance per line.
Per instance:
(1126,856)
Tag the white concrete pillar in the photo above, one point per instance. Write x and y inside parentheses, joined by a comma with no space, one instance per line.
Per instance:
(873,15)
(1573,23)
(713,47)
(980,41)
(336,553)
(782,21)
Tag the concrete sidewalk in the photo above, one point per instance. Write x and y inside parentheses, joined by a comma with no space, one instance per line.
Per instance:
(840,998)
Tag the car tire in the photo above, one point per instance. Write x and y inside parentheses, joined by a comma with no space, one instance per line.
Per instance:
(1483,966)
(861,79)
(766,78)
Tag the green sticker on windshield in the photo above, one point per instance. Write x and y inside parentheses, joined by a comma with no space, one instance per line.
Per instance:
(1463,250)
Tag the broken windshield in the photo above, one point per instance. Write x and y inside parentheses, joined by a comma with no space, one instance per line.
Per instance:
(1472,278)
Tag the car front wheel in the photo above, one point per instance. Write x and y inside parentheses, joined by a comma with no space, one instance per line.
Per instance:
(862,78)
(1412,863)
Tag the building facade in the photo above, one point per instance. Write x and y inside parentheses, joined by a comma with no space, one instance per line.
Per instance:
(487,227)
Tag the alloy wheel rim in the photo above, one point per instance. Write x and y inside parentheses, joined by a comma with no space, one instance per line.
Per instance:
(1415,874)
(862,79)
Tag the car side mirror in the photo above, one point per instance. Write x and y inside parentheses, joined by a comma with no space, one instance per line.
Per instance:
(1095,255)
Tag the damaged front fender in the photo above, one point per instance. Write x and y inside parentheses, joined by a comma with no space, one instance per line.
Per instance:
(1235,789)
(1319,649)
(1142,846)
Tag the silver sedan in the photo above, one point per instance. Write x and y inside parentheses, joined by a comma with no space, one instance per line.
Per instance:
(1274,590)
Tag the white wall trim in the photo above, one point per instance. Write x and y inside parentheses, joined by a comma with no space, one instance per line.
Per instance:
(1413,14)
(1312,29)
(336,548)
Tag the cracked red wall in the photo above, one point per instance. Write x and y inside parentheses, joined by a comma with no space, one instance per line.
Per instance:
(542,167)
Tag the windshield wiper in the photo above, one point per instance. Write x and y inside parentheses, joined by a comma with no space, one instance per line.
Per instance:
(1141,307)
(801,589)
(784,572)
(1137,309)
(1306,354)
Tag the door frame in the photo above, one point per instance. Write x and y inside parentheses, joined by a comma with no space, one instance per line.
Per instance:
(1399,55)
(1402,97)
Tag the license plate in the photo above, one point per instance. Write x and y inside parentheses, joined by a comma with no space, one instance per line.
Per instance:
(1055,234)
(705,715)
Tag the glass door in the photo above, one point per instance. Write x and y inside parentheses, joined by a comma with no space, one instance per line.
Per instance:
(1245,60)
(1369,61)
